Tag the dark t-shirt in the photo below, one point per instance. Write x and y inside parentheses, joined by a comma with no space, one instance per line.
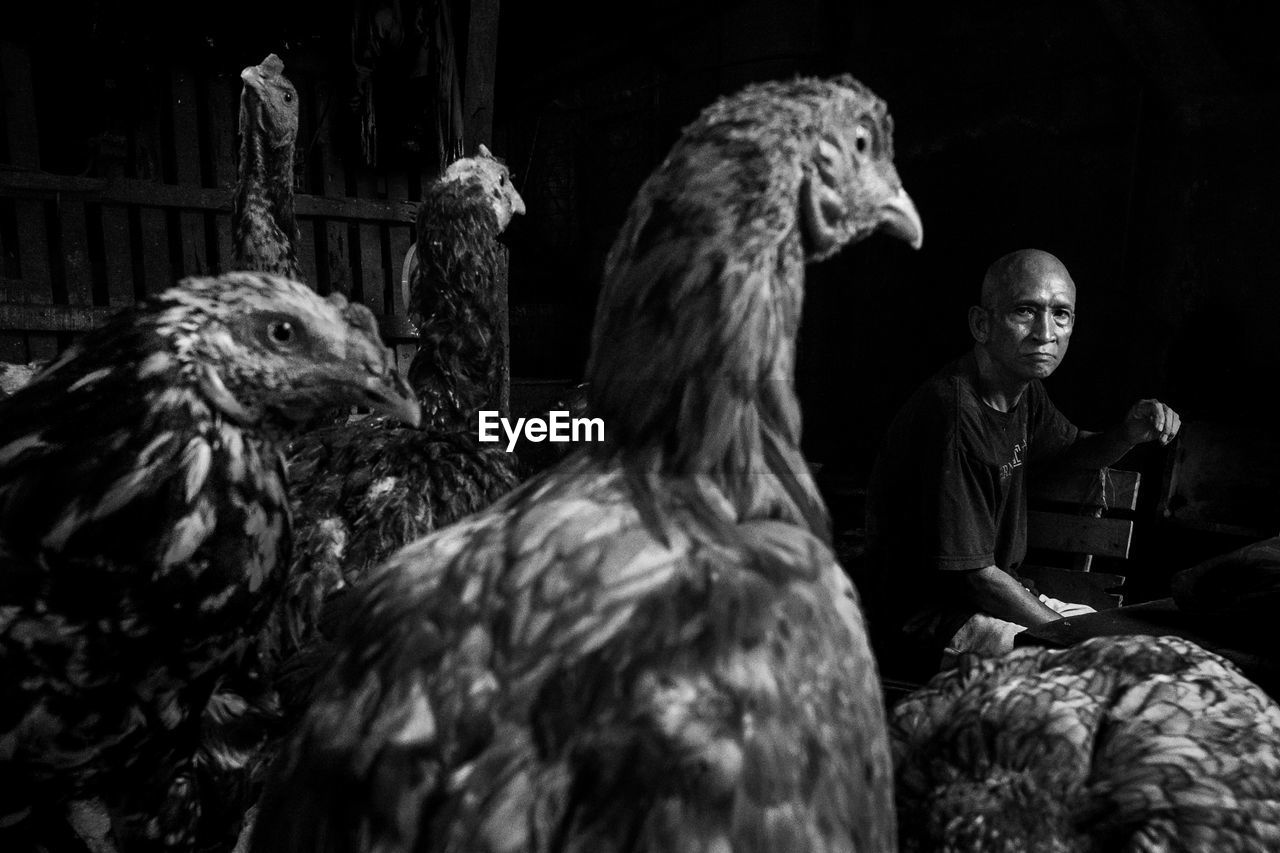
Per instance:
(948,493)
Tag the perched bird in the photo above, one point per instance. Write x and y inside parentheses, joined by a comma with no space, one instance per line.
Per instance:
(648,646)
(1117,743)
(263,228)
(453,300)
(363,489)
(144,538)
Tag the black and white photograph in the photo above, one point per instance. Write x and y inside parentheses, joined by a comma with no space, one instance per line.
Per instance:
(497,426)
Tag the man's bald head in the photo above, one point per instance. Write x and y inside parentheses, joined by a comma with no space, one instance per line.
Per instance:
(1022,328)
(1013,270)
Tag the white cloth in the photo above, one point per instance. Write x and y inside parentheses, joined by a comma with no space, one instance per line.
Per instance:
(987,635)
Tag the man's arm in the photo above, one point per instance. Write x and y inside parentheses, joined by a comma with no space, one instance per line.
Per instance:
(1147,420)
(999,594)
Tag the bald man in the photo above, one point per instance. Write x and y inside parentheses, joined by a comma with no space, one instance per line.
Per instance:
(946,506)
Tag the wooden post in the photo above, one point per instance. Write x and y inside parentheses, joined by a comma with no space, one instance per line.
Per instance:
(150,164)
(24,153)
(477,92)
(185,127)
(224,118)
(337,275)
(477,127)
(396,330)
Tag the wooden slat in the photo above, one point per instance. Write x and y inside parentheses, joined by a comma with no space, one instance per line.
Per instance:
(367,210)
(337,249)
(186,141)
(307,252)
(478,85)
(118,252)
(28,317)
(1116,489)
(307,246)
(36,185)
(33,249)
(8,251)
(23,138)
(333,184)
(146,140)
(77,274)
(398,241)
(1079,534)
(52,318)
(223,120)
(223,123)
(372,273)
(225,249)
(306,178)
(399,298)
(157,269)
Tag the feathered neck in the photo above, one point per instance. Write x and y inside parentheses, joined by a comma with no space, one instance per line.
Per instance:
(692,368)
(457,368)
(266,172)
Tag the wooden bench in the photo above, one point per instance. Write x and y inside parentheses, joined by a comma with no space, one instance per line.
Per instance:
(1074,517)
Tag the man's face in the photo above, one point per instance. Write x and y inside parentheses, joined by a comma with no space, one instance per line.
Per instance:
(1029,326)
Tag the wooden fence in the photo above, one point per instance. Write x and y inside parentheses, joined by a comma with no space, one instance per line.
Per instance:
(75,249)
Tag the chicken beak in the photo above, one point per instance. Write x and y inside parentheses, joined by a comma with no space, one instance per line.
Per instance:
(899,217)
(391,395)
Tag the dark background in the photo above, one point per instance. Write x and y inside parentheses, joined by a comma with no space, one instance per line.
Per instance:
(1134,139)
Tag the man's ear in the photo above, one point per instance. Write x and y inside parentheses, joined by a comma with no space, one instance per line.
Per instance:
(979,323)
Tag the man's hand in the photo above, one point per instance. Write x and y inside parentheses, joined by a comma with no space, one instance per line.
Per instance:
(1149,420)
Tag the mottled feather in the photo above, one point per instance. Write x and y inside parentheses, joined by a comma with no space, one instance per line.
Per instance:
(144,535)
(1118,743)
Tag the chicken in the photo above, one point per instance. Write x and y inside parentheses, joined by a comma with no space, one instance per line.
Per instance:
(144,537)
(1117,743)
(362,490)
(263,228)
(453,300)
(649,645)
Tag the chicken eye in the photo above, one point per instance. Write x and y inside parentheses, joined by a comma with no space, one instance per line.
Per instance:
(288,97)
(862,139)
(281,331)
